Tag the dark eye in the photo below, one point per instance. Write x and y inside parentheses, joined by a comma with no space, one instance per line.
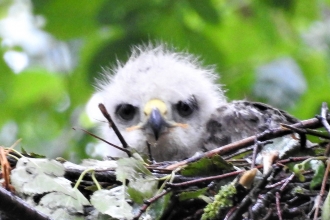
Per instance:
(126,111)
(185,108)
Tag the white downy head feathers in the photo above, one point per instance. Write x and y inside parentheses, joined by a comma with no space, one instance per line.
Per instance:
(161,97)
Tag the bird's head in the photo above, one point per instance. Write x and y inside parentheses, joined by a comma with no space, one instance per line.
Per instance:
(163,98)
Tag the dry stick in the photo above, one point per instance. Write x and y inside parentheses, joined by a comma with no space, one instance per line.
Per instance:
(293,159)
(323,117)
(148,202)
(278,207)
(222,176)
(238,152)
(327,150)
(287,182)
(113,125)
(306,131)
(149,153)
(250,197)
(205,179)
(324,183)
(110,175)
(101,139)
(282,182)
(5,168)
(256,149)
(310,123)
(278,196)
(16,208)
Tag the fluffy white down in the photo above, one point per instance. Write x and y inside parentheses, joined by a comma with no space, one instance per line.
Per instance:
(157,72)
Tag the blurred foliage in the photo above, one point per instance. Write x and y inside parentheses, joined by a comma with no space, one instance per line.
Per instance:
(236,36)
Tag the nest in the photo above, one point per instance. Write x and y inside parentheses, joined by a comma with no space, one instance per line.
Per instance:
(224,183)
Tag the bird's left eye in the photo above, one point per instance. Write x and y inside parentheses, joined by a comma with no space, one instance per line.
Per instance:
(126,111)
(186,108)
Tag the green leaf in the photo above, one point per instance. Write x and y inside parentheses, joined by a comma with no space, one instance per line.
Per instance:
(191,194)
(157,209)
(112,202)
(44,177)
(319,170)
(326,208)
(207,166)
(38,176)
(142,184)
(33,155)
(316,165)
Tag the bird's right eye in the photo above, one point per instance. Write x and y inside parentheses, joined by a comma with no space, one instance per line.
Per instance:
(126,111)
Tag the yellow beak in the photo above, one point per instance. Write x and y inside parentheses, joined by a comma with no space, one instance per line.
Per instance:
(156,110)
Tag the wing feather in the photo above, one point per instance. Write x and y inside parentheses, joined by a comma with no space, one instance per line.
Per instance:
(240,119)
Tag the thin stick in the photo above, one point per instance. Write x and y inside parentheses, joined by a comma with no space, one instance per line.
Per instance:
(279,132)
(205,179)
(323,117)
(256,149)
(113,125)
(101,139)
(148,202)
(16,208)
(251,196)
(278,205)
(320,196)
(278,196)
(150,153)
(306,131)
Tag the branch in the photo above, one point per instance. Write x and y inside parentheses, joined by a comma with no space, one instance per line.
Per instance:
(321,194)
(107,142)
(16,208)
(323,117)
(113,125)
(267,135)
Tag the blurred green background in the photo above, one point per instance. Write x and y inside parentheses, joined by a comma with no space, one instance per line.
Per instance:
(275,51)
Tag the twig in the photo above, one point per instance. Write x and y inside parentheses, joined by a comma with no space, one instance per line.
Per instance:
(150,153)
(279,132)
(248,198)
(283,182)
(101,139)
(256,149)
(287,182)
(320,196)
(206,179)
(327,150)
(113,125)
(110,176)
(5,168)
(278,196)
(293,159)
(323,117)
(278,206)
(306,131)
(239,152)
(16,208)
(148,202)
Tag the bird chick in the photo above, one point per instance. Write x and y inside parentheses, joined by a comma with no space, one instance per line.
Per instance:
(160,97)
(167,99)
